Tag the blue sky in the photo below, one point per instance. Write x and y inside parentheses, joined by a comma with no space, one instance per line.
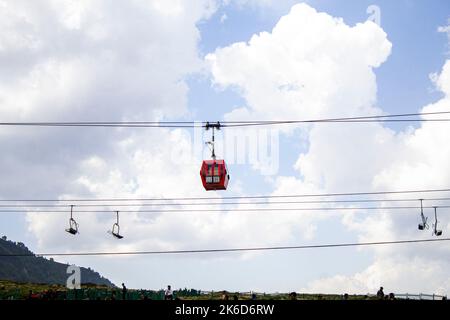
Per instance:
(403,86)
(418,50)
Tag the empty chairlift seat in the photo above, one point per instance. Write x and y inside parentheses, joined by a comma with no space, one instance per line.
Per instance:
(214,174)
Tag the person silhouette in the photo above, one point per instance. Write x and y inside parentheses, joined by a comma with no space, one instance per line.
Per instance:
(168,294)
(380,293)
(124,292)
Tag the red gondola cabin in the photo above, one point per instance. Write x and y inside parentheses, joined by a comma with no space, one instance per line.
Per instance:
(214,174)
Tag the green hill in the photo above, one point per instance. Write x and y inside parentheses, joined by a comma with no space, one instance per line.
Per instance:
(38,269)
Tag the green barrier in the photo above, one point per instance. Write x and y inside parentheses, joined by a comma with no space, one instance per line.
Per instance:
(93,294)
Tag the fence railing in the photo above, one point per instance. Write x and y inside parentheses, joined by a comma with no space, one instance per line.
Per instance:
(420,296)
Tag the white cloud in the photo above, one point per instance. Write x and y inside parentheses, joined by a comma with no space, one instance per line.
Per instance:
(92,66)
(142,169)
(223,18)
(311,66)
(394,274)
(127,60)
(419,161)
(445,29)
(72,61)
(84,60)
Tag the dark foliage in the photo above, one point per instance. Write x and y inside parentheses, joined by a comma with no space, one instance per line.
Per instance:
(38,269)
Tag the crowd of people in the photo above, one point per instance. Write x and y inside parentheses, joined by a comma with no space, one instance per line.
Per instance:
(169,294)
(382,296)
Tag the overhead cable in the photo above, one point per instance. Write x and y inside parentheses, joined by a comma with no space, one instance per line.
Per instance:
(193,124)
(272,196)
(194,251)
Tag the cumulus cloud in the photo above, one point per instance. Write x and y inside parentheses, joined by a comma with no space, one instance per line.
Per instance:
(72,61)
(142,169)
(391,273)
(83,60)
(90,67)
(413,159)
(75,61)
(312,65)
(120,60)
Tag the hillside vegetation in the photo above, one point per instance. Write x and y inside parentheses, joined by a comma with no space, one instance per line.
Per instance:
(33,269)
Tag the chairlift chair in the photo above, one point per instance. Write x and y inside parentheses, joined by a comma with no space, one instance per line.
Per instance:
(115,230)
(73,225)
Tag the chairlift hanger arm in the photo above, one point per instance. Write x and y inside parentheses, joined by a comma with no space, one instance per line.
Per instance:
(424,219)
(212,126)
(436,231)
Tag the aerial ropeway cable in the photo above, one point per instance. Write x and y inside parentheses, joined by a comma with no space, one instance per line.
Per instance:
(406,117)
(225,250)
(261,196)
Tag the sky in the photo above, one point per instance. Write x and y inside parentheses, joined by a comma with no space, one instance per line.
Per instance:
(213,60)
